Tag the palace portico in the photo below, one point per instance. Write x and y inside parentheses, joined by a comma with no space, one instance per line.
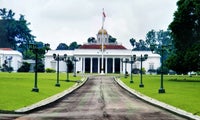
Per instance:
(92,55)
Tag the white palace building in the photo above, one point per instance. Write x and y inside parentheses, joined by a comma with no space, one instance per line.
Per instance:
(102,57)
(13,57)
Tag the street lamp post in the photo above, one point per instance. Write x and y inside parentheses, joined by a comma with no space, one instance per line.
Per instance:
(133,59)
(125,61)
(57,58)
(36,50)
(141,60)
(162,49)
(75,60)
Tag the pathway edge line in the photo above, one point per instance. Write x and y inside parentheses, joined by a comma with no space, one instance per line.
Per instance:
(156,102)
(52,98)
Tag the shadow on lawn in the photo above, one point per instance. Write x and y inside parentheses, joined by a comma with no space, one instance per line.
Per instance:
(183,80)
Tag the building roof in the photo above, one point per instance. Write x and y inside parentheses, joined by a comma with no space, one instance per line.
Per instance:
(6,49)
(9,51)
(98,46)
(60,52)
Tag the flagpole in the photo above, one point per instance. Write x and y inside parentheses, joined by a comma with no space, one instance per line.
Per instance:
(102,57)
(102,45)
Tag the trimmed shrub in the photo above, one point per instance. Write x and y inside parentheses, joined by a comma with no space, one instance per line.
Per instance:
(24,68)
(49,70)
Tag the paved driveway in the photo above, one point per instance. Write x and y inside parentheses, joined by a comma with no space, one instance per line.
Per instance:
(101,99)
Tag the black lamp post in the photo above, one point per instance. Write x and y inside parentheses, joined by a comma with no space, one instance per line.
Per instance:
(57,58)
(66,59)
(37,50)
(161,50)
(133,59)
(75,60)
(142,58)
(125,61)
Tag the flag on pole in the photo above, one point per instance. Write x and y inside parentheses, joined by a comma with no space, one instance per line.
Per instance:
(104,17)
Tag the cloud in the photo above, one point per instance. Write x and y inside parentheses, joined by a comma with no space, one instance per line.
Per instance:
(56,21)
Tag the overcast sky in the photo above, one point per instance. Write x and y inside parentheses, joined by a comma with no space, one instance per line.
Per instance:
(65,21)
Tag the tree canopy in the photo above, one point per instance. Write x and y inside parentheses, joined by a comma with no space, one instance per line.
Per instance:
(91,40)
(72,46)
(160,37)
(112,39)
(14,33)
(185,30)
(62,46)
(141,45)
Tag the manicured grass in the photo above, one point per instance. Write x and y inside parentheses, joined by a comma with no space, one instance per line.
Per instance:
(181,91)
(15,88)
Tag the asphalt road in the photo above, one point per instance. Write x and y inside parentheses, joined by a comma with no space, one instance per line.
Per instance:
(100,99)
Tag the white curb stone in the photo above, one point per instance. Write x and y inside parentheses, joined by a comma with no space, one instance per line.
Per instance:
(158,103)
(52,98)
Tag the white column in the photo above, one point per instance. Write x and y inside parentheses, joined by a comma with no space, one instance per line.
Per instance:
(121,67)
(113,65)
(106,66)
(98,64)
(83,65)
(91,63)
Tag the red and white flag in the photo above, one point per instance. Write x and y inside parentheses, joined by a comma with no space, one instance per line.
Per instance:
(104,17)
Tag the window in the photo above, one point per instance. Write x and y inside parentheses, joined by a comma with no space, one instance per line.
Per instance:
(151,66)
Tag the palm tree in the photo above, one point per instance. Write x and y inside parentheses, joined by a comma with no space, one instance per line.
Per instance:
(3,13)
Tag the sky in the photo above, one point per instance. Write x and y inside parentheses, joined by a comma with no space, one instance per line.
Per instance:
(66,21)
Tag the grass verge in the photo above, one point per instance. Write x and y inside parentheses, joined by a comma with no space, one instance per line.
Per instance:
(16,88)
(181,91)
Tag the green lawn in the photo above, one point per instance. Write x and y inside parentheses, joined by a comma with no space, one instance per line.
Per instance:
(181,91)
(15,88)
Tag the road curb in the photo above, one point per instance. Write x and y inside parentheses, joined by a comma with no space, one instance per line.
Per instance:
(52,99)
(157,103)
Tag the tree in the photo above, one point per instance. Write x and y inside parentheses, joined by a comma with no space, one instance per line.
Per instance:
(185,30)
(91,40)
(14,33)
(151,37)
(111,39)
(73,46)
(133,42)
(139,46)
(3,13)
(159,38)
(62,46)
(40,55)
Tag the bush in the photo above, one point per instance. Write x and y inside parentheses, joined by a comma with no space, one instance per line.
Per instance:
(152,71)
(49,70)
(135,71)
(143,71)
(40,67)
(24,68)
(165,70)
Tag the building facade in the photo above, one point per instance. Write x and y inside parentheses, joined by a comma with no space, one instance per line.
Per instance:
(101,56)
(12,57)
